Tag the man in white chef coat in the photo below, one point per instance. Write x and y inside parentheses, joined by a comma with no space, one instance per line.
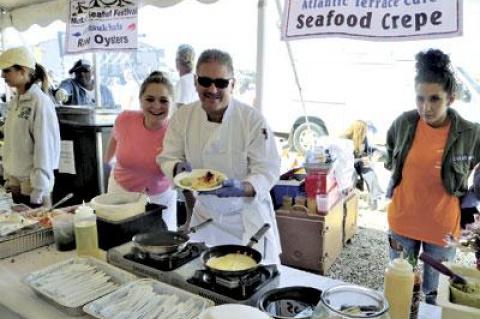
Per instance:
(220,133)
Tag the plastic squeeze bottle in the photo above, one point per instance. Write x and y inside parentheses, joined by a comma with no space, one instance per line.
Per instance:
(86,237)
(398,287)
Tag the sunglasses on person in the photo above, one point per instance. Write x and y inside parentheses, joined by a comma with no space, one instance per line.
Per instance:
(206,82)
(6,70)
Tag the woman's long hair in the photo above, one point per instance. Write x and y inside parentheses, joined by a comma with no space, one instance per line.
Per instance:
(357,132)
(36,75)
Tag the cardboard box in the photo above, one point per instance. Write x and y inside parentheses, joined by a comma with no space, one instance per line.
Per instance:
(320,182)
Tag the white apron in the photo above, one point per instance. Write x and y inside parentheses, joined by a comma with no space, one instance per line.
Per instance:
(235,220)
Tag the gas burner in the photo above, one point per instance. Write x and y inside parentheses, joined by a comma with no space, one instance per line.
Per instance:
(168,261)
(236,287)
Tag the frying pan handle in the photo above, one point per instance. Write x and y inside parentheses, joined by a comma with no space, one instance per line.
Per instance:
(197,227)
(259,234)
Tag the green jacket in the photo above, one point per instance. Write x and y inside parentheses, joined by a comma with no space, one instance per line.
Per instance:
(460,156)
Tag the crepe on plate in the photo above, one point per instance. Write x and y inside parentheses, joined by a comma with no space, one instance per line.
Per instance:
(208,180)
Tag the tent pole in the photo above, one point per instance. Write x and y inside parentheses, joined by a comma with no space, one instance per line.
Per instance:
(262,6)
(96,76)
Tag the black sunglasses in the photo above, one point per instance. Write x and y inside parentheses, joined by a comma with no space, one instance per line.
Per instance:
(207,82)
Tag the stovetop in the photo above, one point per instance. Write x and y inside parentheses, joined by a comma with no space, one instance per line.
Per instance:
(167,262)
(192,276)
(236,287)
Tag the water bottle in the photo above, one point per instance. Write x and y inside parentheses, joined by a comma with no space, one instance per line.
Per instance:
(86,237)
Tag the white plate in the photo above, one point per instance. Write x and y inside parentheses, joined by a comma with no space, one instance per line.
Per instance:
(195,174)
(233,311)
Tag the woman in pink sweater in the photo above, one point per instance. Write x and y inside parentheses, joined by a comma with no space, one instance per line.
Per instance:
(137,139)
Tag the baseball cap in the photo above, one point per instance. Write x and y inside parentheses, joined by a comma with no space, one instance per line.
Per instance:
(81,64)
(17,56)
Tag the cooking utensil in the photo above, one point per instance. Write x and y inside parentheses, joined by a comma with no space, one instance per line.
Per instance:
(455,278)
(222,250)
(60,202)
(162,242)
(189,203)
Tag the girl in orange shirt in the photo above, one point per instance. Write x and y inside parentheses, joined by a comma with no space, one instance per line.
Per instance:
(431,152)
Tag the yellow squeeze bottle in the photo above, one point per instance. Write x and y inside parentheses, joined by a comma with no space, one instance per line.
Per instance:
(86,237)
(398,287)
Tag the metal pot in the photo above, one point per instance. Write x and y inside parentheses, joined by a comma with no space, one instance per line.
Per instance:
(290,302)
(163,242)
(219,251)
(348,301)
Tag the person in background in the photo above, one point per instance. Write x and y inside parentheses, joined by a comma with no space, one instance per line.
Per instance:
(185,92)
(357,132)
(431,152)
(220,133)
(80,90)
(31,151)
(137,139)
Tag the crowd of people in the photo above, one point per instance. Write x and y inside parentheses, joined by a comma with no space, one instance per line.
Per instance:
(431,150)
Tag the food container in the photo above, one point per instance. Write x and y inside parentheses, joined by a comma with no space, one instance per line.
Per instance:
(63,295)
(290,302)
(159,300)
(119,206)
(115,233)
(62,225)
(348,301)
(25,240)
(451,310)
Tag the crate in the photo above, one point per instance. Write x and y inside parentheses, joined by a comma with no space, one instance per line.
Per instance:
(350,217)
(311,242)
(115,233)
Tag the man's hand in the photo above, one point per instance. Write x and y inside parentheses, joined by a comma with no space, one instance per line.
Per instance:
(61,96)
(233,188)
(182,167)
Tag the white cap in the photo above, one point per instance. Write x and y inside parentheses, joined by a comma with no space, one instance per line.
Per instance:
(17,56)
(84,211)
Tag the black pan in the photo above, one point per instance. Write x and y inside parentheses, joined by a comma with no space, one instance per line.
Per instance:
(219,251)
(163,242)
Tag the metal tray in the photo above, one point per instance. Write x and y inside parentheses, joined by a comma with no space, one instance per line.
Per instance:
(93,308)
(117,276)
(25,240)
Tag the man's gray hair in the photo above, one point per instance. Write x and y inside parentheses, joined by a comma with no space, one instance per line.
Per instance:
(219,56)
(186,55)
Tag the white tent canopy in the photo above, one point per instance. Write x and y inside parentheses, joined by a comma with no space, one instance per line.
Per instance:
(21,14)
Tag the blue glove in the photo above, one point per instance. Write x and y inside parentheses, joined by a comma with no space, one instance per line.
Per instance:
(230,188)
(182,167)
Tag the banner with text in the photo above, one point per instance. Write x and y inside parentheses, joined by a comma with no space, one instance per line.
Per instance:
(102,24)
(378,20)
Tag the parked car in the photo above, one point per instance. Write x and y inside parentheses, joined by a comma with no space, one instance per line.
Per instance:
(374,92)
